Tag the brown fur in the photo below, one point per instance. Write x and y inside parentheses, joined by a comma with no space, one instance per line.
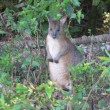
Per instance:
(61,53)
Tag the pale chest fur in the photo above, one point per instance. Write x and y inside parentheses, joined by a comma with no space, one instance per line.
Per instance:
(54,46)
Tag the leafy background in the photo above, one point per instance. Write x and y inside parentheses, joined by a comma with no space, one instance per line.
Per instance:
(24,80)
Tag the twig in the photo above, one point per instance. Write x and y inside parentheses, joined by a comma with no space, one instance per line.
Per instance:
(39,50)
(90,92)
(29,68)
(2,19)
(38,44)
(106,108)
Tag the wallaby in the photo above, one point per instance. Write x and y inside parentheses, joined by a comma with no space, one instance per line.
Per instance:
(60,53)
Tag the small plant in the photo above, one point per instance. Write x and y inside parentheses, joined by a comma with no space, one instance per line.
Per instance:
(88,80)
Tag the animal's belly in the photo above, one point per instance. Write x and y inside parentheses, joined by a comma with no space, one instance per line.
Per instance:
(54,48)
(54,51)
(57,70)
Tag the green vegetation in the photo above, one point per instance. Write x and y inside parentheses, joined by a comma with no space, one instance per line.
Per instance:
(24,81)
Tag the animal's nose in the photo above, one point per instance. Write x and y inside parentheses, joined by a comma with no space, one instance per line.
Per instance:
(54,35)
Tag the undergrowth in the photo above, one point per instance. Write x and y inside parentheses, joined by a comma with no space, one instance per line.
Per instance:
(24,80)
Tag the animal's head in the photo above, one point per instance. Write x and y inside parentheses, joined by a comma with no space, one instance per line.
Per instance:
(56,26)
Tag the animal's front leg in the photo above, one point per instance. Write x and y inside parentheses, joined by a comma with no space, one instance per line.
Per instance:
(62,52)
(56,59)
(49,57)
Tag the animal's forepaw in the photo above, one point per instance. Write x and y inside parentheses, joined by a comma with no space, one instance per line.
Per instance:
(56,61)
(50,60)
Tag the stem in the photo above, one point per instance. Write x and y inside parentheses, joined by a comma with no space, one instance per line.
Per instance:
(29,70)
(90,93)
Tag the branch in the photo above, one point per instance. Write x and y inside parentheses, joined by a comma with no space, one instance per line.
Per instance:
(95,39)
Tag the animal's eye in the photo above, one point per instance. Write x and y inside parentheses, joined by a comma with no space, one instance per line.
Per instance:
(50,29)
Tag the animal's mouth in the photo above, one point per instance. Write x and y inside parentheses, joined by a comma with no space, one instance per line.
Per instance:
(54,37)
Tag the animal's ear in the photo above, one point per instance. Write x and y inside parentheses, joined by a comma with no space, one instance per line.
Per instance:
(63,20)
(49,18)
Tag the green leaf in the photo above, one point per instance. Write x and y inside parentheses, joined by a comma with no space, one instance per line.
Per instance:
(106,51)
(101,103)
(26,62)
(77,106)
(49,90)
(21,88)
(54,9)
(95,2)
(86,106)
(105,72)
(59,15)
(75,2)
(17,107)
(73,15)
(2,100)
(30,1)
(40,87)
(35,63)
(58,108)
(79,15)
(108,90)
(82,16)
(74,29)
(28,59)
(69,9)
(104,58)
(2,32)
(79,95)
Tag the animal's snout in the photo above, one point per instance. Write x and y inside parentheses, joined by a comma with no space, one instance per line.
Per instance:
(54,35)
